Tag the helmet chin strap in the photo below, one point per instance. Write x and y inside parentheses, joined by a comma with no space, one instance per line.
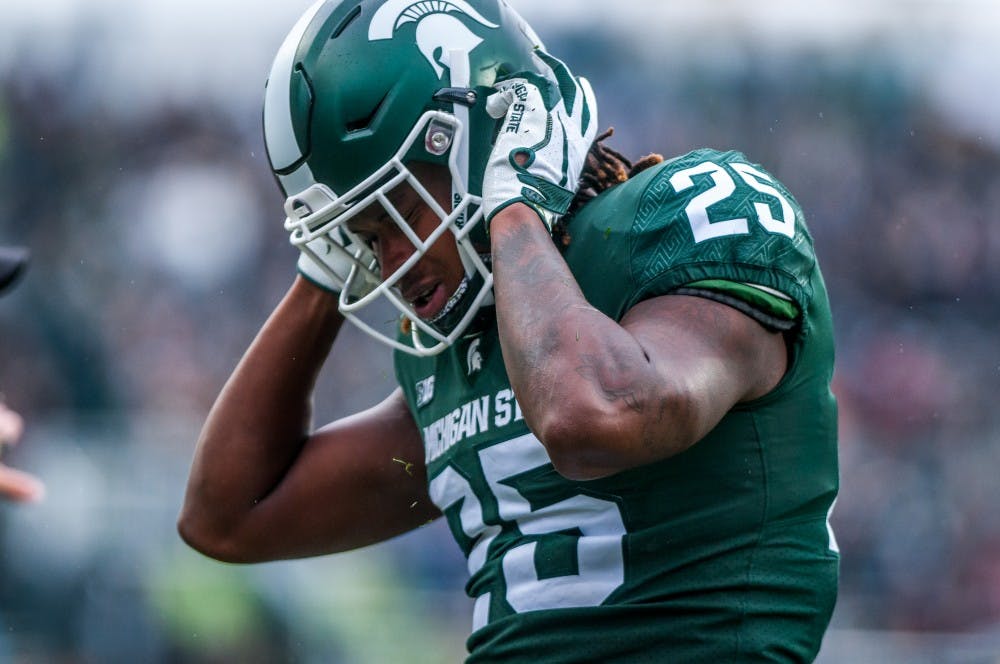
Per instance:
(460,73)
(461,77)
(468,290)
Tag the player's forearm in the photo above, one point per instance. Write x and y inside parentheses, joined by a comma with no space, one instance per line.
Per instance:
(261,418)
(584,384)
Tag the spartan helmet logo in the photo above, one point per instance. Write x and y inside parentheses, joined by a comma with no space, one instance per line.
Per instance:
(474,358)
(437,29)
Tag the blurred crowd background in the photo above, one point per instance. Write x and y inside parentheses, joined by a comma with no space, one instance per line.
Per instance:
(132,165)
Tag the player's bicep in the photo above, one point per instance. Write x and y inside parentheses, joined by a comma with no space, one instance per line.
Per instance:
(358,480)
(717,355)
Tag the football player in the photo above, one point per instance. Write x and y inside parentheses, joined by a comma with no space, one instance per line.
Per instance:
(614,379)
(14,484)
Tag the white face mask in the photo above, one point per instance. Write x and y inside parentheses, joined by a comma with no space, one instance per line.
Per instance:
(317,217)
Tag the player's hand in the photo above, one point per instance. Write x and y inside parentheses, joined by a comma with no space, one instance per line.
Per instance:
(14,484)
(548,125)
(325,264)
(329,265)
(328,260)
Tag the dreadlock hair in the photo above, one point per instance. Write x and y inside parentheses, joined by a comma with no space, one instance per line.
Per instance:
(605,168)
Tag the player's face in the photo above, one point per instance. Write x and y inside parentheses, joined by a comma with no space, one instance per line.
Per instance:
(429,284)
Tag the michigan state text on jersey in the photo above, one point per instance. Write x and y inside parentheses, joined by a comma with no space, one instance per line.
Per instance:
(720,554)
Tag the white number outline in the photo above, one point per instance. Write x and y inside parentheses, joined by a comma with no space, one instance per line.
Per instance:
(723,187)
(600,549)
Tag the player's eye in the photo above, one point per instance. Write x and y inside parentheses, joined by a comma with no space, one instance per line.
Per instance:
(412,214)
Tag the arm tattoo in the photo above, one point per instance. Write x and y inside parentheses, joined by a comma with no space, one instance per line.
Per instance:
(537,306)
(529,268)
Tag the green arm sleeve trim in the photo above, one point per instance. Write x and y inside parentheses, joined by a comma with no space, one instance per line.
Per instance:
(759,298)
(770,309)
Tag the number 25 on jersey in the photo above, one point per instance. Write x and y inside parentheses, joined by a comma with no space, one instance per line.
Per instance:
(723,188)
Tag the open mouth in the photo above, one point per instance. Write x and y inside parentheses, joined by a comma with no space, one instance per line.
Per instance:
(428,301)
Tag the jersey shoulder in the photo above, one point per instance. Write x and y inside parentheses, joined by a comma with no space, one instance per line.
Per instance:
(704,216)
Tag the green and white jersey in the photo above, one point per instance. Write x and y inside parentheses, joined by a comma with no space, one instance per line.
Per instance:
(719,554)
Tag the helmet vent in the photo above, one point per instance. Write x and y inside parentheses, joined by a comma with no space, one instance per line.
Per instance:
(347,20)
(365,122)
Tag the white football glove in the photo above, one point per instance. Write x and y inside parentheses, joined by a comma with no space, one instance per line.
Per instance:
(329,258)
(329,265)
(324,264)
(548,126)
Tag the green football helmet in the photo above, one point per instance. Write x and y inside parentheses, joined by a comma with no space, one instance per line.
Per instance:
(359,90)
